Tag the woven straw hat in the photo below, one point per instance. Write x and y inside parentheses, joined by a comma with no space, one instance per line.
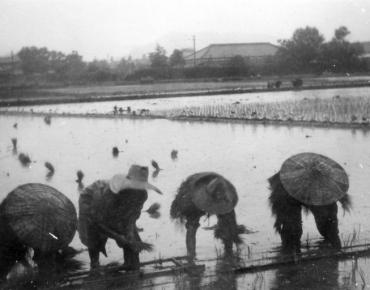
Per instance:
(213,194)
(40,216)
(314,179)
(136,178)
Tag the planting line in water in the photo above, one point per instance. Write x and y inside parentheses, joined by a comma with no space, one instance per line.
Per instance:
(317,255)
(322,124)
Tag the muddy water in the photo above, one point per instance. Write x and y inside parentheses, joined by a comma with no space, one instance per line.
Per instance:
(245,154)
(173,103)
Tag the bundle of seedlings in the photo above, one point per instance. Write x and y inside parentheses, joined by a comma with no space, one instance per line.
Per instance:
(137,246)
(24,159)
(14,142)
(115,151)
(47,120)
(153,210)
(51,169)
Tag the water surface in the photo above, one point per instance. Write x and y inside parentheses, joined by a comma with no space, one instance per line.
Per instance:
(245,154)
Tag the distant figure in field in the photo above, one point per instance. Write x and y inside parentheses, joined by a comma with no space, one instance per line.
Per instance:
(313,182)
(207,193)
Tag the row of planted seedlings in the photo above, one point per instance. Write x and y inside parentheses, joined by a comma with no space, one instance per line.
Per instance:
(336,110)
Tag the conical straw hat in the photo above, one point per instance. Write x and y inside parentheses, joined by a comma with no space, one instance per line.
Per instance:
(40,216)
(314,179)
(212,193)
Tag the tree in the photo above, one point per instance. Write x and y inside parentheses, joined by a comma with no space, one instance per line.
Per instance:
(302,51)
(98,71)
(177,58)
(339,55)
(34,60)
(237,66)
(74,66)
(341,33)
(123,68)
(56,61)
(158,58)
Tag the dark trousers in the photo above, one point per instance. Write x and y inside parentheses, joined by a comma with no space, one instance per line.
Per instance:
(130,256)
(291,225)
(327,223)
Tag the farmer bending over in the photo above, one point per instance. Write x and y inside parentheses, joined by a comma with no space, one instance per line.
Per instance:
(109,209)
(207,193)
(312,182)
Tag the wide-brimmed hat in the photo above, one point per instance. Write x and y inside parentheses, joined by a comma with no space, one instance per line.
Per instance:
(314,179)
(213,194)
(136,178)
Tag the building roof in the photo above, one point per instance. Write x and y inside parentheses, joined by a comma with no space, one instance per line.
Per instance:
(227,50)
(366,46)
(187,52)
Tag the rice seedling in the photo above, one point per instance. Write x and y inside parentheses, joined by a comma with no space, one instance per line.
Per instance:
(14,142)
(180,281)
(335,110)
(80,176)
(24,159)
(115,151)
(50,167)
(258,282)
(174,154)
(47,119)
(307,242)
(155,165)
(155,173)
(352,238)
(362,276)
(249,252)
(153,210)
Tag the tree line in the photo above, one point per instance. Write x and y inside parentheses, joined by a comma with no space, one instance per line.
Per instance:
(305,52)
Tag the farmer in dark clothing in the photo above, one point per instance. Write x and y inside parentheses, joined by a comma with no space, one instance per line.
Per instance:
(202,194)
(109,209)
(313,182)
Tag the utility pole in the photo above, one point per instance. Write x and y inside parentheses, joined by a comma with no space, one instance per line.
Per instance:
(12,62)
(194,50)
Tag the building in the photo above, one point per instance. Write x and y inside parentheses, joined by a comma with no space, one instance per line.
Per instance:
(366,54)
(220,54)
(186,52)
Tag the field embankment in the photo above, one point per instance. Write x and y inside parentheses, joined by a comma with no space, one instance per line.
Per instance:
(336,112)
(95,93)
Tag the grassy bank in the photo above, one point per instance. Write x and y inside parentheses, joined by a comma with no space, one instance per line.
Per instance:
(96,93)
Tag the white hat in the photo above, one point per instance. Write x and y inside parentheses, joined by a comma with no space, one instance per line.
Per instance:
(137,178)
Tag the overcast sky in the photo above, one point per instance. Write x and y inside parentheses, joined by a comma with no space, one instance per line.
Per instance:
(118,28)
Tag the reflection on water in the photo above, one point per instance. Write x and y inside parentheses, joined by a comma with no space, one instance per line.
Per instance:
(173,103)
(245,154)
(308,276)
(50,271)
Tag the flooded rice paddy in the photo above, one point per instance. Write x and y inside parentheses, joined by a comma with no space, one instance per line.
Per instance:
(245,154)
